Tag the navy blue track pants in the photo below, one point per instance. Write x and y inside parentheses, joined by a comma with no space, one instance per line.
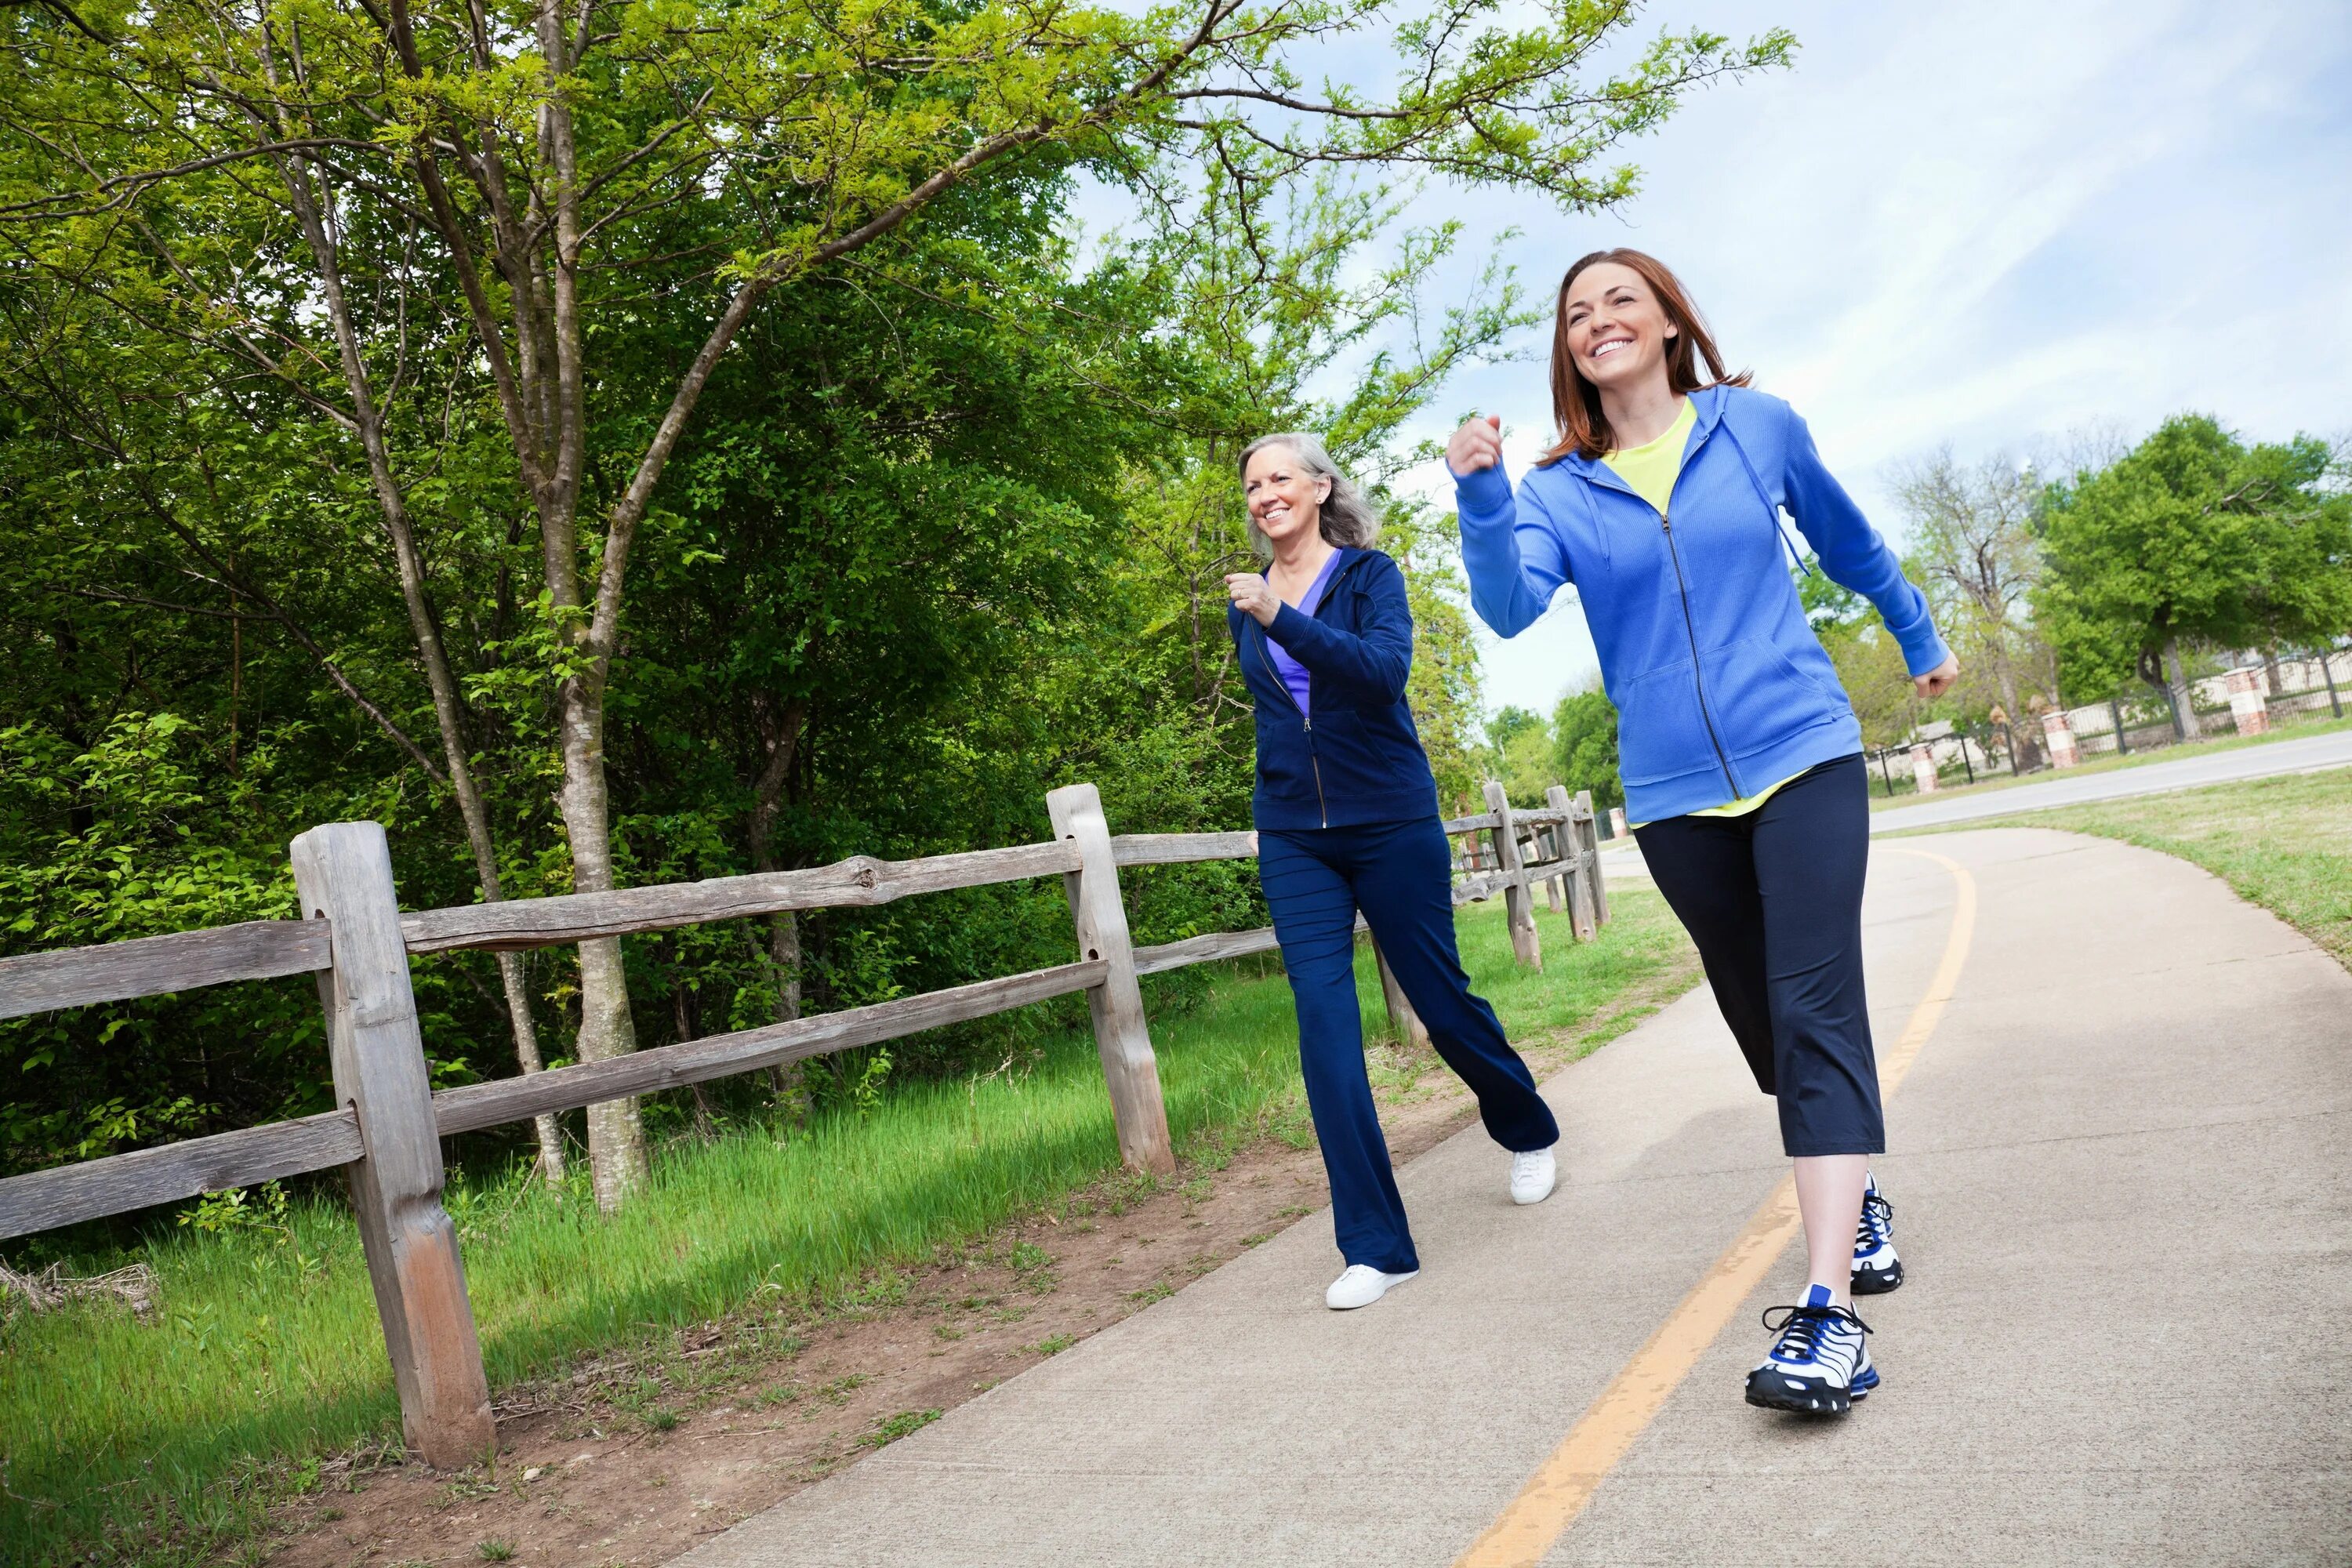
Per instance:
(1399,874)
(1774,902)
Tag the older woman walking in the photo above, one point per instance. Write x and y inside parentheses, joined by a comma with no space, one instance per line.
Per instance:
(1345,810)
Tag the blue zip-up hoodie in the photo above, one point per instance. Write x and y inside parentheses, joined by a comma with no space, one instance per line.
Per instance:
(1721,687)
(1354,756)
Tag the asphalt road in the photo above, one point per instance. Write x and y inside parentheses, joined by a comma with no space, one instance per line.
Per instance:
(2121,1165)
(2295,756)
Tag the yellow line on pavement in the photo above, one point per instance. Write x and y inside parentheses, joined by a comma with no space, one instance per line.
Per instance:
(1566,1482)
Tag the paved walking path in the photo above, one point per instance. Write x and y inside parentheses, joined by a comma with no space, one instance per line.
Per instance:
(2122,1184)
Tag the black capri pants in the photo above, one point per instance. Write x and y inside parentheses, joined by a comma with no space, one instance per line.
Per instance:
(1773,900)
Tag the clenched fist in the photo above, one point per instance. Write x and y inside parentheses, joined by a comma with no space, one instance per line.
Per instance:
(1253,597)
(1939,680)
(1478,445)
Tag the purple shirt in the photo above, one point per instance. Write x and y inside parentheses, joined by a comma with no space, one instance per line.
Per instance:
(1292,673)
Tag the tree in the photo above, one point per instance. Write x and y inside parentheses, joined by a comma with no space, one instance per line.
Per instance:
(519,196)
(565,219)
(1520,754)
(2191,537)
(1972,530)
(1584,746)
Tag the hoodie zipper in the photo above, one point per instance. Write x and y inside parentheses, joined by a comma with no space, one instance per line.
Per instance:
(1682,588)
(1322,810)
(1690,629)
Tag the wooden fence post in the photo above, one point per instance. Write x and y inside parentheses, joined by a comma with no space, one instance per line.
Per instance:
(1410,1029)
(1582,916)
(343,874)
(1588,839)
(1121,1035)
(1517,907)
(1564,847)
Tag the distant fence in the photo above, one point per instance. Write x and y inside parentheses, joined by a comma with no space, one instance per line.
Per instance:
(387,1130)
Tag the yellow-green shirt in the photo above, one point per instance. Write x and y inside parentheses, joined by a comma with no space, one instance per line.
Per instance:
(1650,470)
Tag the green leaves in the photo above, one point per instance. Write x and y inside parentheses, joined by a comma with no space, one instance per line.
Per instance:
(2193,535)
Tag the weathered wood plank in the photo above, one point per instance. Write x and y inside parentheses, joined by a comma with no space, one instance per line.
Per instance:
(344,872)
(1122,1037)
(479,1105)
(1588,844)
(44,1200)
(1478,823)
(1478,889)
(1520,910)
(1205,949)
(1562,840)
(858,882)
(1182,849)
(154,966)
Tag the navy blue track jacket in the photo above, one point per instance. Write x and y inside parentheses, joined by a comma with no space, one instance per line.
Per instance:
(1354,756)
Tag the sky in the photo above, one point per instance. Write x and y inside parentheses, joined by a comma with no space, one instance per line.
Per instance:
(1985,226)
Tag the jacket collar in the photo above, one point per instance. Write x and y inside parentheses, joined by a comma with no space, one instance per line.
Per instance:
(1708,401)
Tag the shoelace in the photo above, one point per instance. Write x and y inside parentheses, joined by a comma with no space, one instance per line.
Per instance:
(1801,1331)
(1526,1163)
(1876,1224)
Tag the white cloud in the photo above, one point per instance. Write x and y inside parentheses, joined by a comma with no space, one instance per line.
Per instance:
(1985,225)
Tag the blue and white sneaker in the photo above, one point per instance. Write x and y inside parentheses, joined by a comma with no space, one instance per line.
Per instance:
(1820,1365)
(1877,1269)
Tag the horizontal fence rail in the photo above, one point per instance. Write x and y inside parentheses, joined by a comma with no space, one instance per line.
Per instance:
(386,1135)
(158,965)
(858,882)
(118,1184)
(479,1105)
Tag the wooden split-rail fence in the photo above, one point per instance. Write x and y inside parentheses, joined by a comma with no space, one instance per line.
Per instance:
(386,1132)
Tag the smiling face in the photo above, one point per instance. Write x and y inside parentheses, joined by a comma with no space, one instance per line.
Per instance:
(1283,498)
(1617,333)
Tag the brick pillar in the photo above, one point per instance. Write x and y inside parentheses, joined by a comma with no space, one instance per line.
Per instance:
(1923,767)
(1617,821)
(2247,704)
(2064,752)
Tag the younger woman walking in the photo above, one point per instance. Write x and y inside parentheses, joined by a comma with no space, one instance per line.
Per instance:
(1739,750)
(1345,810)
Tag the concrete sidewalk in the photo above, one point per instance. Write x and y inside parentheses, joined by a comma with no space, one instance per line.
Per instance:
(2123,1181)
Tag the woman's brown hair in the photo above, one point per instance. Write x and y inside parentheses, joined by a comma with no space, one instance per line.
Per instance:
(1576,401)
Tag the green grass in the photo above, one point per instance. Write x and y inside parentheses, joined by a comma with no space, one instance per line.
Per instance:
(163,1441)
(2284,842)
(1988,782)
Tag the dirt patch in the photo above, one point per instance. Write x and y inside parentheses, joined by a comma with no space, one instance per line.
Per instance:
(631,1461)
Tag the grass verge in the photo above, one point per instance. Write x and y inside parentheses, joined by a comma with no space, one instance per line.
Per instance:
(162,1439)
(2284,842)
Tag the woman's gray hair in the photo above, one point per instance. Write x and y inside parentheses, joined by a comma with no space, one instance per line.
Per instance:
(1347,518)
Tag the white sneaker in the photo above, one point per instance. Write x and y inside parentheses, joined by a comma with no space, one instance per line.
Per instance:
(1361,1286)
(1533,1175)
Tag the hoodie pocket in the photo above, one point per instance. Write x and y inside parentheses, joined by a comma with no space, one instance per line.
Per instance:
(1762,697)
(1661,731)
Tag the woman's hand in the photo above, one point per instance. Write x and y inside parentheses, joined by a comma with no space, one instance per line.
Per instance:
(1939,680)
(1478,445)
(1253,597)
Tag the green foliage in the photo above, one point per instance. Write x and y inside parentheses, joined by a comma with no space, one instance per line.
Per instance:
(1584,740)
(2193,536)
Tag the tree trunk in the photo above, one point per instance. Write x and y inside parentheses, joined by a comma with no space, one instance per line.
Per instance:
(780,734)
(424,624)
(2025,746)
(617,1162)
(2270,672)
(2176,685)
